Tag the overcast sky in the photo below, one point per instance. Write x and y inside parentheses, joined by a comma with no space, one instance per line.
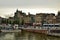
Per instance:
(10,6)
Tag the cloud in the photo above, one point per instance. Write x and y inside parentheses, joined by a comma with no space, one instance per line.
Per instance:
(30,3)
(10,6)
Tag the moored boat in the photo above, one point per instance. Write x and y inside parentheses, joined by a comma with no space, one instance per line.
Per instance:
(49,29)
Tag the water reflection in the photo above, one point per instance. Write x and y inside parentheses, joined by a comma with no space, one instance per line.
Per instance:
(26,36)
(6,36)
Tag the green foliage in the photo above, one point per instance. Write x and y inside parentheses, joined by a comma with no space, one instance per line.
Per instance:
(4,21)
(16,21)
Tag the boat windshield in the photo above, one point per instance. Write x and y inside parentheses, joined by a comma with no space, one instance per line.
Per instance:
(51,25)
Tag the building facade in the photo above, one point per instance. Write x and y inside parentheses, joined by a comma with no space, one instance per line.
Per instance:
(39,18)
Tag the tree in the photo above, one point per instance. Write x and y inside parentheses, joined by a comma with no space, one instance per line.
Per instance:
(4,21)
(16,21)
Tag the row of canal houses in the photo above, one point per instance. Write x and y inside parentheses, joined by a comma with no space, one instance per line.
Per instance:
(37,20)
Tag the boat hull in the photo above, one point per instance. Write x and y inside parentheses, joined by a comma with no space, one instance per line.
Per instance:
(37,31)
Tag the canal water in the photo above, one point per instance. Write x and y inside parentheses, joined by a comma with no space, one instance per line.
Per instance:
(26,36)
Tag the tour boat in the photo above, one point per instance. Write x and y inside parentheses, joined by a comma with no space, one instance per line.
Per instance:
(50,29)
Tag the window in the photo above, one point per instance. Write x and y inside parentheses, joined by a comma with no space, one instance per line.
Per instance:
(56,25)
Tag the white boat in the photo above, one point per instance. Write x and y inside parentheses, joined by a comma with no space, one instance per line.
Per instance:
(53,29)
